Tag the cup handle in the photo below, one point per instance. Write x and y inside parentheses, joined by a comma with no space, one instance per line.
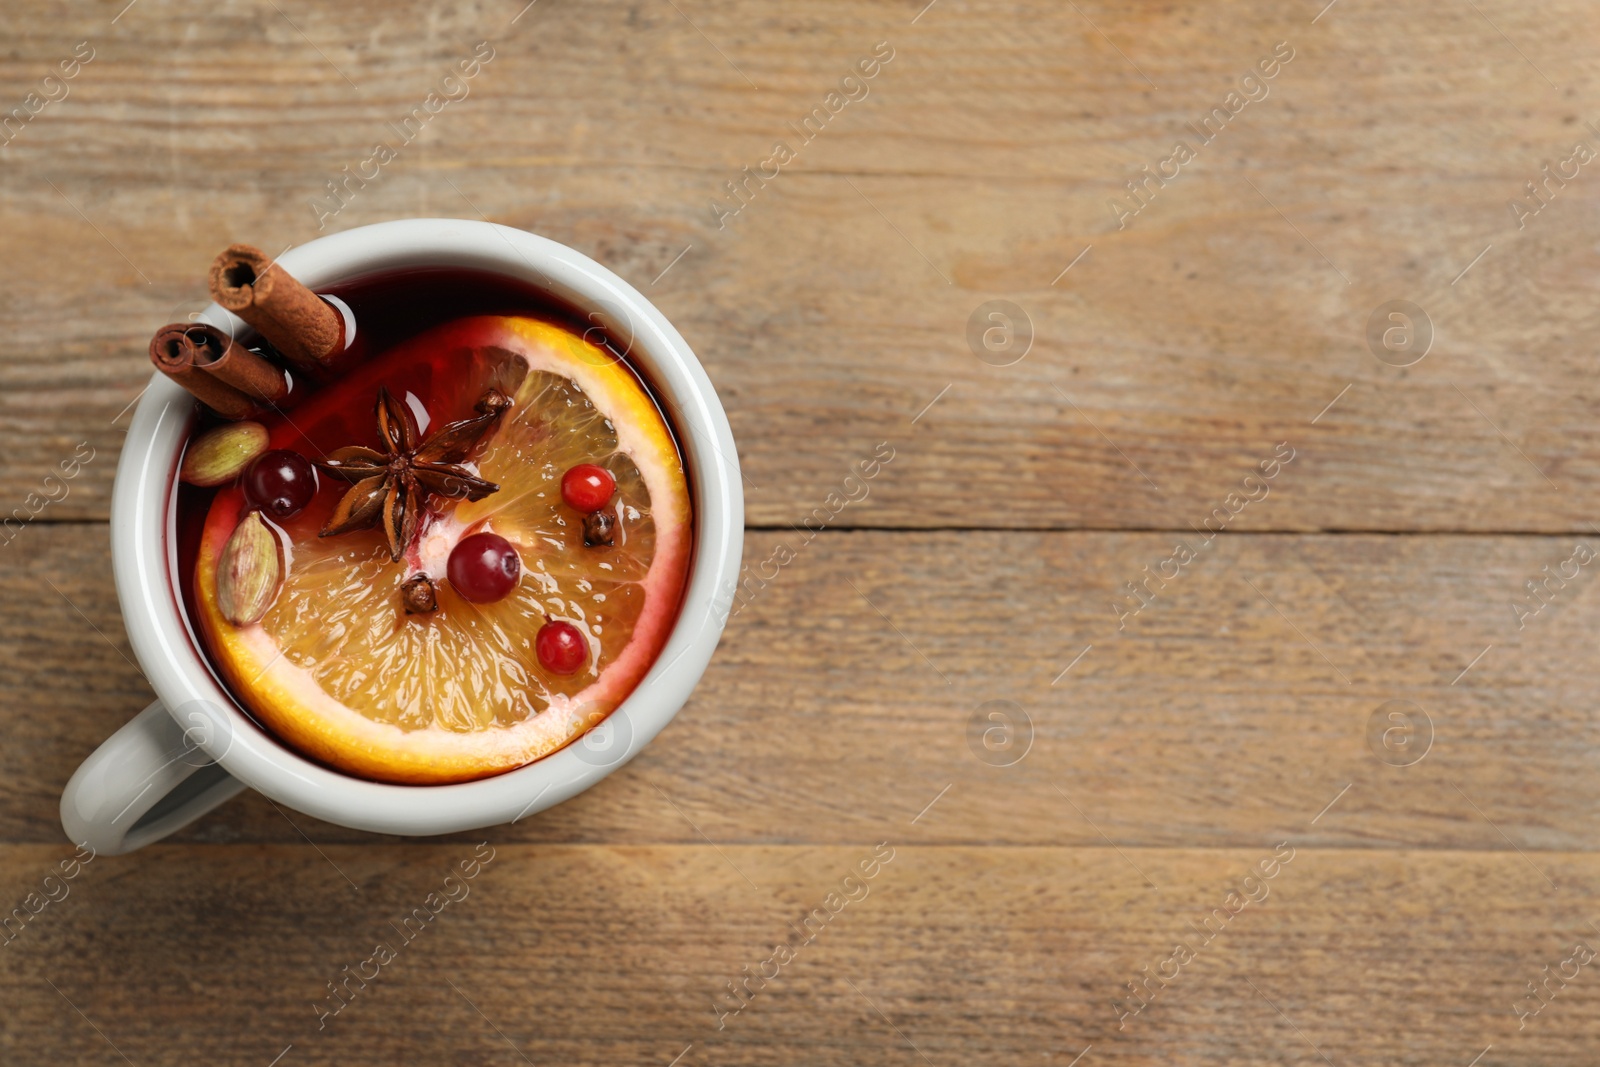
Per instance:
(145,781)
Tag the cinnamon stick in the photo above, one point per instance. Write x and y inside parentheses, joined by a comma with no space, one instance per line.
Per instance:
(233,364)
(296,321)
(185,351)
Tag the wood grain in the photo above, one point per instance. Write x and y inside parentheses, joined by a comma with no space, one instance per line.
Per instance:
(602,955)
(835,307)
(1443,859)
(1212,719)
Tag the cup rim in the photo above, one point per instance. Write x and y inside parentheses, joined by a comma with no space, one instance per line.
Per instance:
(144,558)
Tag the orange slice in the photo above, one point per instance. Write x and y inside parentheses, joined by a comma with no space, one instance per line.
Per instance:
(337,669)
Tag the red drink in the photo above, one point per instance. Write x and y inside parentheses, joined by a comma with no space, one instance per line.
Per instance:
(370,642)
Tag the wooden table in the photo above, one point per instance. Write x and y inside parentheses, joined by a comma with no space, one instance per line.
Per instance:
(1348,687)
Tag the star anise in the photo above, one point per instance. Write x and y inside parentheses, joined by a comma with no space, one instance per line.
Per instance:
(393,486)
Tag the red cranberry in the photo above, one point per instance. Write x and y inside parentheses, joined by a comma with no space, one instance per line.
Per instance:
(587,487)
(484,567)
(280,483)
(561,647)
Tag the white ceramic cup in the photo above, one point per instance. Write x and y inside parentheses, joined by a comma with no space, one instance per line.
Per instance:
(194,748)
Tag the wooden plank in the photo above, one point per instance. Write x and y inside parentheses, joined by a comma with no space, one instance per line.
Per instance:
(614,955)
(831,311)
(1393,707)
(851,691)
